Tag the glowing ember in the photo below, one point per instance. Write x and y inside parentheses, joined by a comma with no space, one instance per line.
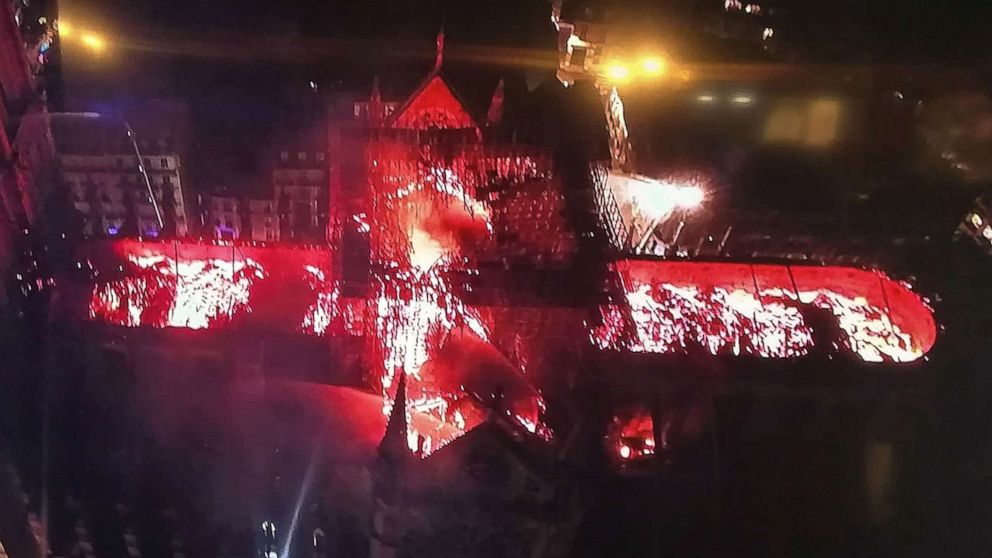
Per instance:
(190,293)
(671,319)
(421,228)
(631,436)
(730,314)
(325,309)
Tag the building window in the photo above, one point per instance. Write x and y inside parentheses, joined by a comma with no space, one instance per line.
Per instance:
(284,156)
(302,155)
(165,163)
(320,156)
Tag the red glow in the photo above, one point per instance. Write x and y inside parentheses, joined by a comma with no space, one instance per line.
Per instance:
(430,208)
(433,106)
(423,226)
(739,308)
(631,436)
(191,293)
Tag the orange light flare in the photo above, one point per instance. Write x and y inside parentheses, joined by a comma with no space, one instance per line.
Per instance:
(645,69)
(654,66)
(94,42)
(617,72)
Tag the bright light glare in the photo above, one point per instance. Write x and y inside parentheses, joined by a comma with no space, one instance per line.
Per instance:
(742,99)
(659,199)
(705,98)
(64,28)
(94,42)
(625,452)
(617,72)
(690,197)
(654,66)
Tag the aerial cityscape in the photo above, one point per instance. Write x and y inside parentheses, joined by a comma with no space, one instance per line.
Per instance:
(542,278)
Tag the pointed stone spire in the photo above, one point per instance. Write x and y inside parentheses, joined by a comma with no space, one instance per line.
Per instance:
(394,442)
(495,114)
(439,57)
(376,108)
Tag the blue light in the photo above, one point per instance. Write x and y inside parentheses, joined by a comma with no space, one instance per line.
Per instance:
(112,231)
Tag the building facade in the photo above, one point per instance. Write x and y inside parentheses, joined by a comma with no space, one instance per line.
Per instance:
(223,217)
(300,185)
(265,222)
(110,194)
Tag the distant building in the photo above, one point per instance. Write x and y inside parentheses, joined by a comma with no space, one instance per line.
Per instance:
(224,217)
(85,166)
(110,194)
(264,217)
(300,181)
(18,98)
(89,159)
(294,208)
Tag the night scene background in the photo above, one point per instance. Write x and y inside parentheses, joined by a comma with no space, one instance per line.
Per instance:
(521,278)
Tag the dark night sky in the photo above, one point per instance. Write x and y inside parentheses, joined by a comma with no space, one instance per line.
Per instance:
(238,61)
